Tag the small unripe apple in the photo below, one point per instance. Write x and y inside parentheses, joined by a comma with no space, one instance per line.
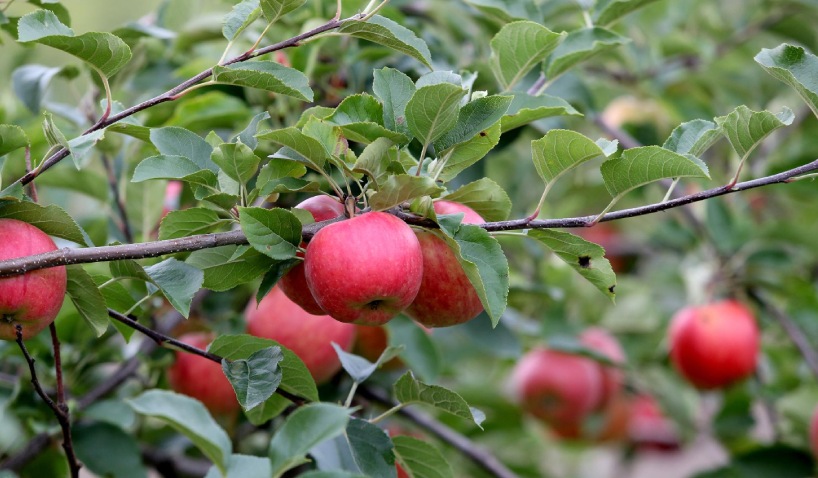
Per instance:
(813,433)
(202,378)
(308,336)
(601,341)
(560,389)
(446,296)
(365,270)
(714,345)
(294,283)
(31,300)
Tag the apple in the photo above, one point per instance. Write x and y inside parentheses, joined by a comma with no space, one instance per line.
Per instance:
(813,433)
(601,341)
(31,300)
(446,296)
(201,378)
(370,342)
(558,388)
(294,283)
(309,336)
(365,270)
(648,428)
(714,345)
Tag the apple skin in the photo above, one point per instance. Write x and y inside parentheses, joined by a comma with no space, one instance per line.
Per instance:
(648,428)
(601,341)
(365,270)
(201,378)
(31,300)
(813,433)
(308,336)
(446,296)
(714,345)
(558,388)
(294,283)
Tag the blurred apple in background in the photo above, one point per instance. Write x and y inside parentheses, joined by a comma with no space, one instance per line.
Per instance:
(201,378)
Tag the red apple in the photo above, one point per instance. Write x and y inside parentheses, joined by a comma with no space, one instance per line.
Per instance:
(364,270)
(601,341)
(558,388)
(370,342)
(31,300)
(294,283)
(648,427)
(813,433)
(446,297)
(714,345)
(308,336)
(201,378)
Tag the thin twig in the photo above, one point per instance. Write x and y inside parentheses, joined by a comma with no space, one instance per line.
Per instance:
(124,225)
(60,257)
(478,455)
(793,331)
(60,409)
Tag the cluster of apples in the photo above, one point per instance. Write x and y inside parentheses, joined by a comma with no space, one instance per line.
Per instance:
(368,269)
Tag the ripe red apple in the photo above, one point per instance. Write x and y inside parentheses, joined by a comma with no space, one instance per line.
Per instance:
(201,378)
(31,300)
(813,433)
(294,283)
(308,336)
(648,427)
(603,342)
(446,297)
(714,345)
(364,270)
(558,388)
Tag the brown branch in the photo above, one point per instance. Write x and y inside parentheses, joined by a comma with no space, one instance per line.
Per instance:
(174,92)
(21,265)
(478,455)
(60,409)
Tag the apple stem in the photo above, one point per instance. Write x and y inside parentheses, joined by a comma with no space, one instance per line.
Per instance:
(349,206)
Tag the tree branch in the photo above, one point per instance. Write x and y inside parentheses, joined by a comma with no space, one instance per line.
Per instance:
(21,265)
(479,456)
(793,331)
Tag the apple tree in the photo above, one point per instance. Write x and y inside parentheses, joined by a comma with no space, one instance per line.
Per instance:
(427,239)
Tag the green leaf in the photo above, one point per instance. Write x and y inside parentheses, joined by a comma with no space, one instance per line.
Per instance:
(30,83)
(432,111)
(420,459)
(607,11)
(52,133)
(305,428)
(746,128)
(794,66)
(104,51)
(390,34)
(331,474)
(518,47)
(360,368)
(121,457)
(296,379)
(248,135)
(82,145)
(374,160)
(486,197)
(402,187)
(310,151)
(419,350)
(177,281)
(256,378)
(475,117)
(128,268)
(243,466)
(578,46)
(273,232)
(409,390)
(176,141)
(275,9)
(236,160)
(646,164)
(226,267)
(189,222)
(266,75)
(525,109)
(693,137)
(394,89)
(173,167)
(87,299)
(12,137)
(507,10)
(463,155)
(51,219)
(189,417)
(559,151)
(210,110)
(360,117)
(371,448)
(239,18)
(584,257)
(483,261)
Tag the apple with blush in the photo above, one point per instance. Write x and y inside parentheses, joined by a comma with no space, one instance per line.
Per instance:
(201,378)
(602,342)
(364,270)
(309,336)
(294,283)
(31,300)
